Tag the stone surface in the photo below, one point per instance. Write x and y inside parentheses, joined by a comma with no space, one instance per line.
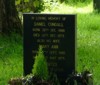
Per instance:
(56,34)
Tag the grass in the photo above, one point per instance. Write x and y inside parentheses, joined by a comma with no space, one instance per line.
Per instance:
(88,44)
(11,60)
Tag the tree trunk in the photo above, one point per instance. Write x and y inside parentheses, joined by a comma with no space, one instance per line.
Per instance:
(96,4)
(0,16)
(9,20)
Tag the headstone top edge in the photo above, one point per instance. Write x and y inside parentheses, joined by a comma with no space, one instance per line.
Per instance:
(46,14)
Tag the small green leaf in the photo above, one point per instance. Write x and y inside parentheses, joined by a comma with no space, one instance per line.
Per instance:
(26,0)
(36,3)
(17,2)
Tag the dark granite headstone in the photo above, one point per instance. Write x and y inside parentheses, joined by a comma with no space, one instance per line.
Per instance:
(56,34)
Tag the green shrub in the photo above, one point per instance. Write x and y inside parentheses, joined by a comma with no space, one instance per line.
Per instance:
(40,68)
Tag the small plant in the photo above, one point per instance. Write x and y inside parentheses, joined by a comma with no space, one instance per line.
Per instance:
(84,78)
(40,68)
(28,80)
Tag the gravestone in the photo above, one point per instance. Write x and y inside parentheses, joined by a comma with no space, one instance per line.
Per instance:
(56,34)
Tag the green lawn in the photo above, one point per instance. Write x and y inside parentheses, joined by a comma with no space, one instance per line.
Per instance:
(11,58)
(88,44)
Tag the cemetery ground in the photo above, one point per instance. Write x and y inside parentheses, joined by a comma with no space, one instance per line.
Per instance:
(88,45)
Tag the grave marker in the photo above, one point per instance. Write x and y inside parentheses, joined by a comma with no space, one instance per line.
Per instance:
(56,34)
